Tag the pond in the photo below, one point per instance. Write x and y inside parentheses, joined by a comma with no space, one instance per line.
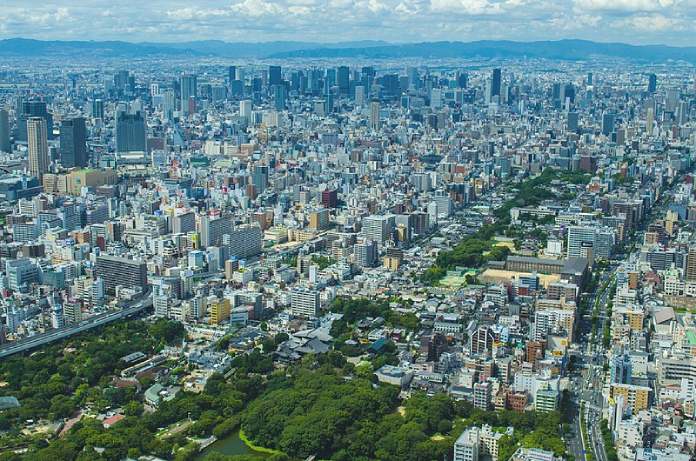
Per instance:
(231,445)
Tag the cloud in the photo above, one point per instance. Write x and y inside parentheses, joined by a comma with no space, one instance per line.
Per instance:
(651,23)
(666,21)
(625,5)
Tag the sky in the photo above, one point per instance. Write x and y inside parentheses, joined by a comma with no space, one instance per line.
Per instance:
(671,22)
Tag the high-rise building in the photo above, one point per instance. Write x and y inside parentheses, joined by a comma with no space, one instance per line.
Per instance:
(245,109)
(573,121)
(496,84)
(343,79)
(189,90)
(117,271)
(4,131)
(212,230)
(275,76)
(97,108)
(280,97)
(304,302)
(608,121)
(243,241)
(365,253)
(183,223)
(378,228)
(231,74)
(73,143)
(374,115)
(691,264)
(130,132)
(30,109)
(652,83)
(482,395)
(590,242)
(466,448)
(621,369)
(38,146)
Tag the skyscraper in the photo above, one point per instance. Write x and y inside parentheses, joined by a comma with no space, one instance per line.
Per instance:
(374,115)
(97,108)
(130,132)
(33,108)
(231,74)
(279,96)
(189,89)
(343,79)
(37,139)
(274,75)
(496,84)
(73,140)
(652,83)
(4,131)
(608,121)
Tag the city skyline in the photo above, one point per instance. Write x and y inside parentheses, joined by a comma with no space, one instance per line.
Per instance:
(669,22)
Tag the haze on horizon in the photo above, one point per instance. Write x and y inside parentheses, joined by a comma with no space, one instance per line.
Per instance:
(669,22)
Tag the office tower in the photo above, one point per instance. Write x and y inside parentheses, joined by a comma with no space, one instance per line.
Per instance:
(116,271)
(365,254)
(97,108)
(73,143)
(30,109)
(374,115)
(21,273)
(38,146)
(463,80)
(590,242)
(378,228)
(652,83)
(496,84)
(212,230)
(608,121)
(189,90)
(245,109)
(590,78)
(130,132)
(621,369)
(274,76)
(329,198)
(683,112)
(304,302)
(183,223)
(343,79)
(259,177)
(319,220)
(231,74)
(649,120)
(691,264)
(279,96)
(367,74)
(4,131)
(573,121)
(466,448)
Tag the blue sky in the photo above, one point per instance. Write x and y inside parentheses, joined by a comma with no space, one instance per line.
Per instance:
(633,21)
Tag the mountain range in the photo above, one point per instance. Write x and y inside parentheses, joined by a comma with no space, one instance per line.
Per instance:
(560,49)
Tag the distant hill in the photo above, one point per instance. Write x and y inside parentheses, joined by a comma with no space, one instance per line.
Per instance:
(39,48)
(561,49)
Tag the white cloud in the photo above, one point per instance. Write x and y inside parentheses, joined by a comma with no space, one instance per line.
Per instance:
(625,5)
(666,21)
(651,23)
